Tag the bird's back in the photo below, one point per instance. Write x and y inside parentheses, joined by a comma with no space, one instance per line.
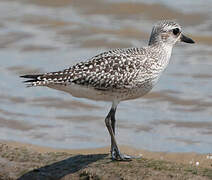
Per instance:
(120,71)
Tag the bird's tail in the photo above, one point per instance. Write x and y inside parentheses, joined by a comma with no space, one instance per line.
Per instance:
(34,80)
(59,77)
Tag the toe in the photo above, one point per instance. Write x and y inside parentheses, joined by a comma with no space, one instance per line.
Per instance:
(123,157)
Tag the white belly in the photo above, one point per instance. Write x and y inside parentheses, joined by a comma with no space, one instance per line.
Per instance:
(86,92)
(103,95)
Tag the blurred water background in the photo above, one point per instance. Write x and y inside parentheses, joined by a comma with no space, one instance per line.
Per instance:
(49,35)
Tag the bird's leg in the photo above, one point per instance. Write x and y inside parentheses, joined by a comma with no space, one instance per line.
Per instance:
(110,123)
(113,123)
(114,147)
(113,120)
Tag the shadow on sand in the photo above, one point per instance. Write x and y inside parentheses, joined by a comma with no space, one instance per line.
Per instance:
(62,168)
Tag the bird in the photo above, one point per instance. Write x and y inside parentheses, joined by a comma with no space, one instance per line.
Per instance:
(117,75)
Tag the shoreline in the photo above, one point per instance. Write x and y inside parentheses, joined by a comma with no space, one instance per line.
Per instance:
(178,157)
(26,161)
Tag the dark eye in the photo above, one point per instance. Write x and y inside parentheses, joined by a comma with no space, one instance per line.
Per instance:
(176,31)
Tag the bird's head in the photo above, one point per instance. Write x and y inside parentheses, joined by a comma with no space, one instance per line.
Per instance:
(168,32)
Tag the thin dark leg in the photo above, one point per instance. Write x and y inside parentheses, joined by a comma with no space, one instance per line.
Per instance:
(110,123)
(113,121)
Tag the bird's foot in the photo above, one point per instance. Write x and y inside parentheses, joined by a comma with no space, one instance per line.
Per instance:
(117,156)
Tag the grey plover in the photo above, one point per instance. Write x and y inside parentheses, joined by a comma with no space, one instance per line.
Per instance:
(117,75)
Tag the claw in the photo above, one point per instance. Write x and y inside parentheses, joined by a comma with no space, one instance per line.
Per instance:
(117,156)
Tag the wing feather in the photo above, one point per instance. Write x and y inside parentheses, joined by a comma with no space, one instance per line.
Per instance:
(112,69)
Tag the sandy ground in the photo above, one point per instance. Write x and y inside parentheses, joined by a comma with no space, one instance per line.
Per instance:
(24,161)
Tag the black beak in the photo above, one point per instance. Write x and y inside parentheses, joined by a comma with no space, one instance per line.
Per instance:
(185,39)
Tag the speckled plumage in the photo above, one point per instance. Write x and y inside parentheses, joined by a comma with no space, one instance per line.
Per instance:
(117,75)
(120,71)
(114,69)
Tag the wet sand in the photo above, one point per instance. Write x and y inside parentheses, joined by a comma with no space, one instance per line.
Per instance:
(25,161)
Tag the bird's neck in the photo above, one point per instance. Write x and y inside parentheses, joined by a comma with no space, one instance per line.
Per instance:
(162,53)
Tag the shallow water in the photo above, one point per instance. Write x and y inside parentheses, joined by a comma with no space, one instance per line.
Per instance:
(38,36)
